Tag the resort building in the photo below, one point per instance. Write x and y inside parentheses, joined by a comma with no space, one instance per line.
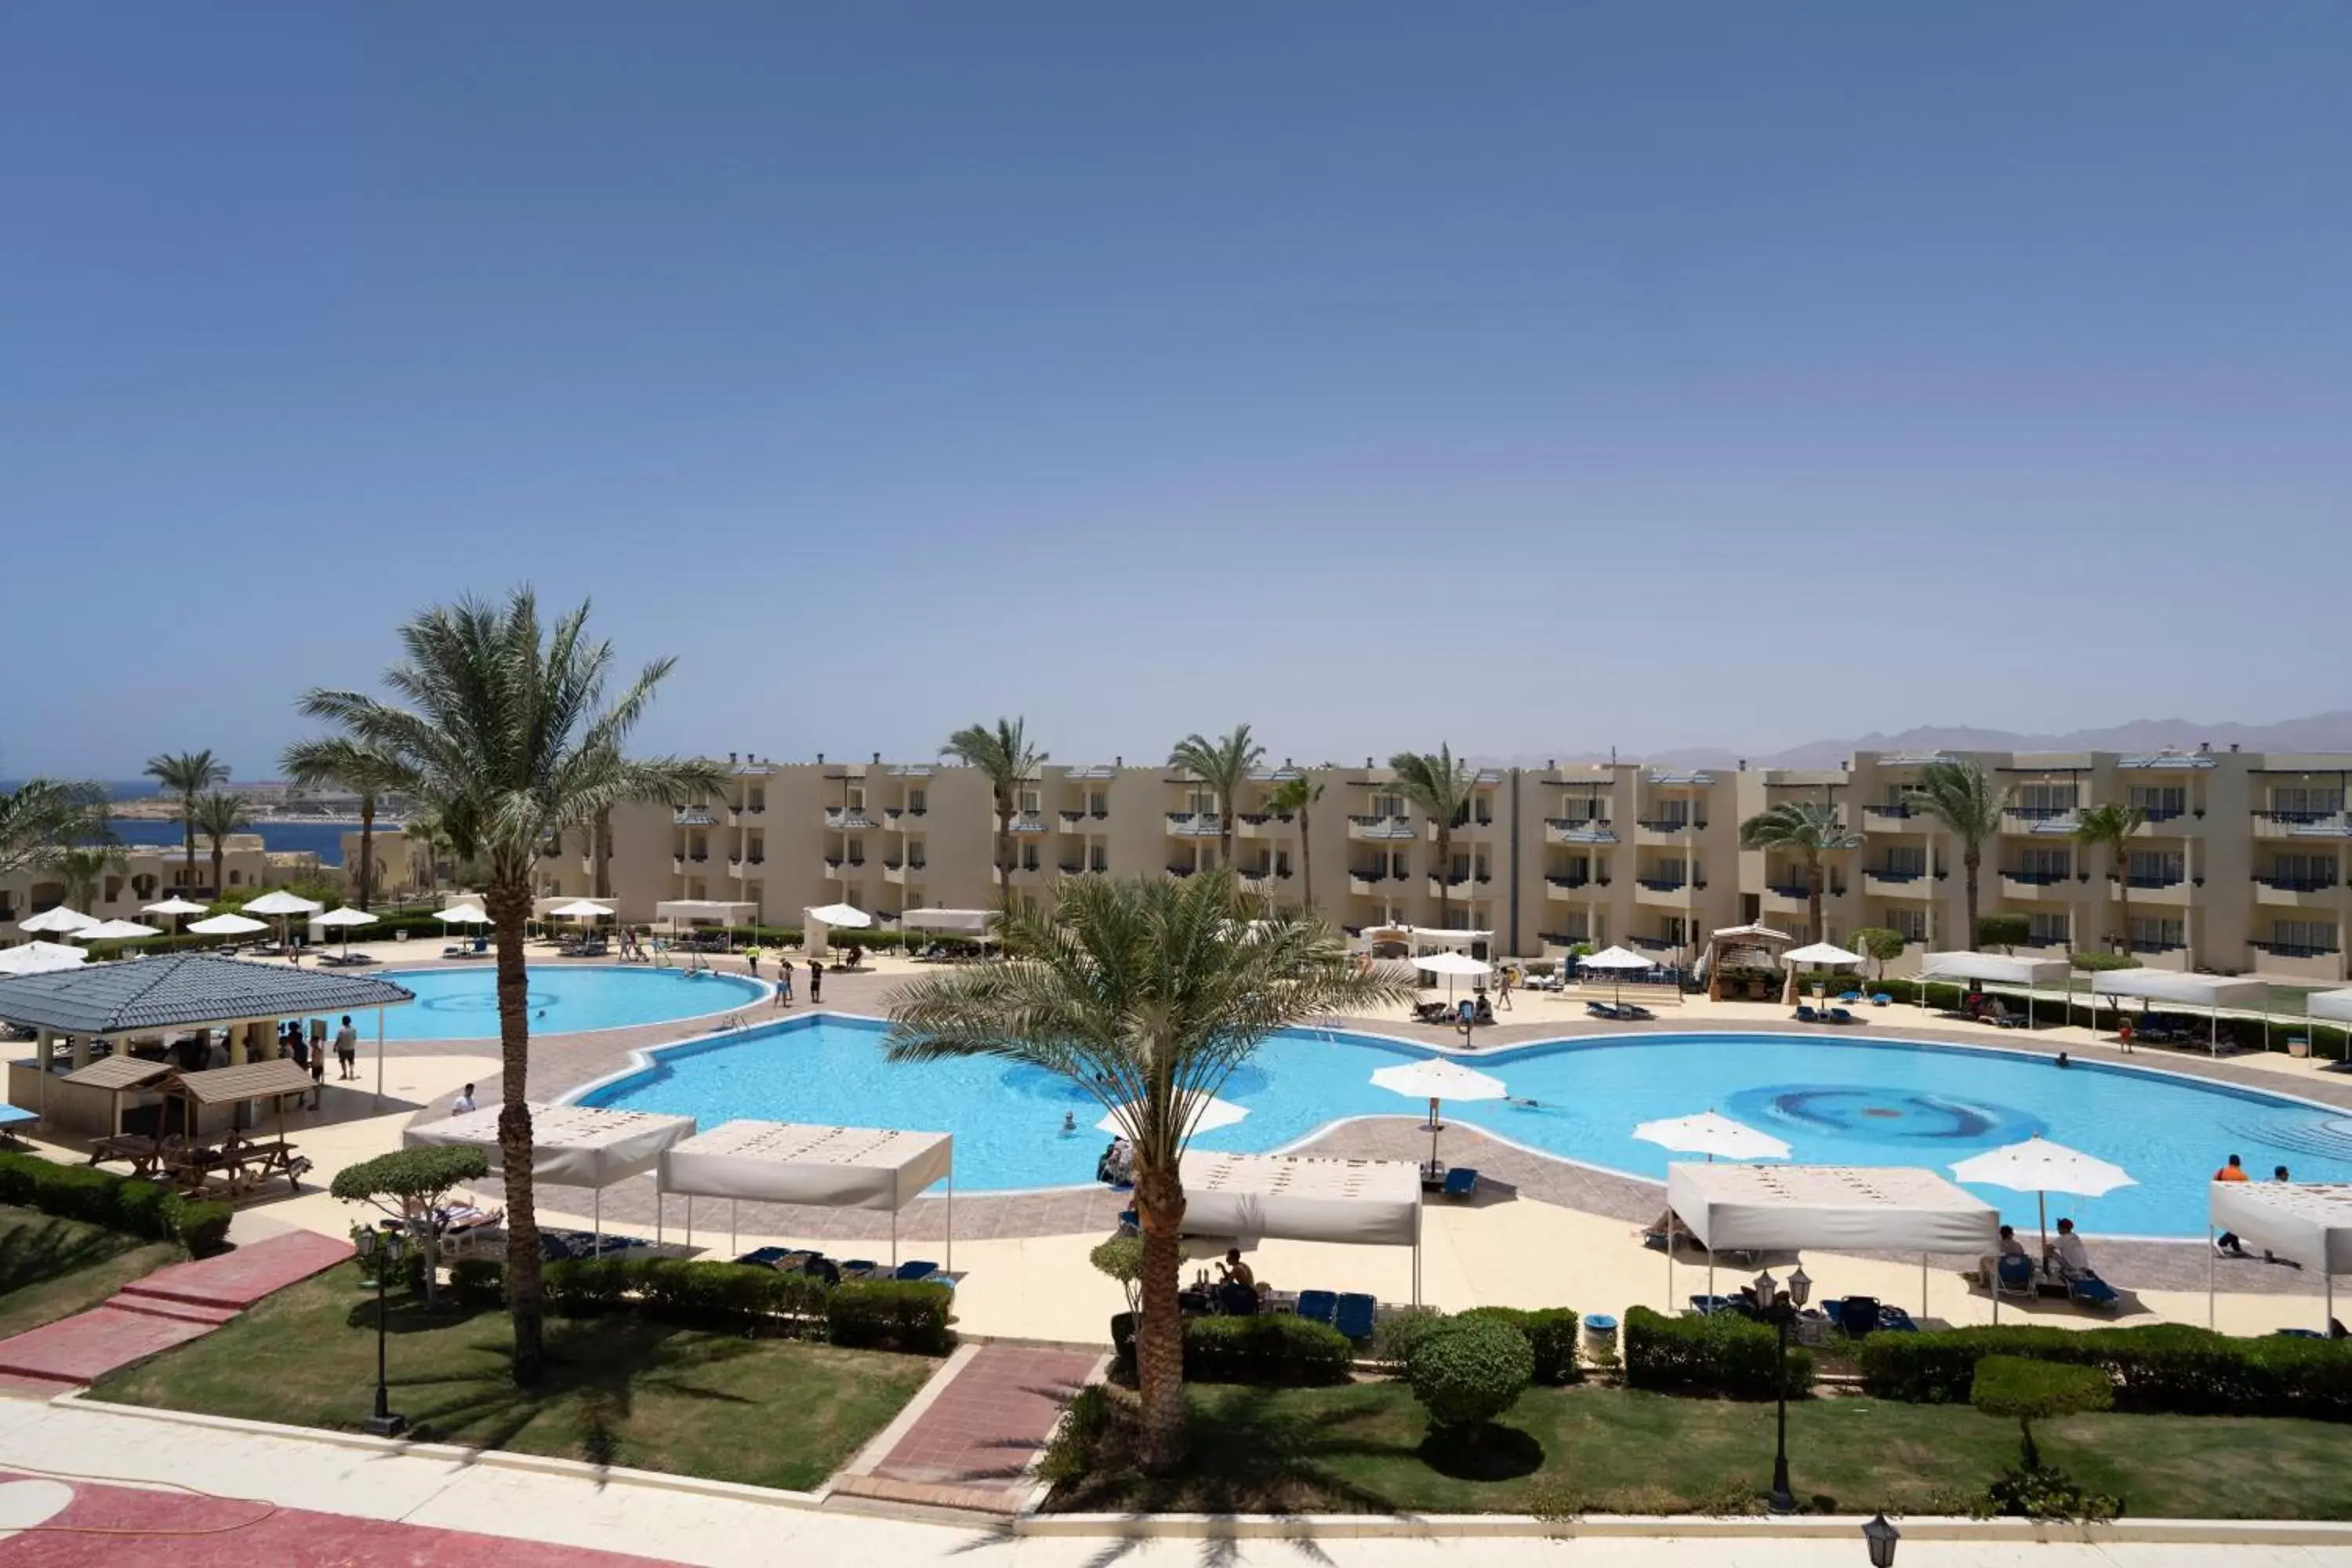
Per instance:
(149,874)
(2239,866)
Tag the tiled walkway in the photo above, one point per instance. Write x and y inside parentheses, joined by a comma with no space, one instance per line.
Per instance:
(971,1447)
(170,1306)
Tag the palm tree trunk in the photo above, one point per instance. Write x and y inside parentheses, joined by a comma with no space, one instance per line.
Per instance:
(188,834)
(1969,861)
(2123,901)
(1444,877)
(218,888)
(1306,864)
(509,907)
(367,850)
(1813,898)
(600,850)
(1160,1330)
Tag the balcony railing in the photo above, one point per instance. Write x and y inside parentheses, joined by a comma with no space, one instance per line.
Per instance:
(1569,881)
(1026,822)
(894,865)
(1071,819)
(2037,812)
(1669,823)
(1580,830)
(1655,944)
(1789,890)
(848,817)
(1891,813)
(2038,878)
(2294,949)
(1074,868)
(1887,874)
(2163,813)
(2155,879)
(1665,885)
(2299,884)
(693,817)
(1181,870)
(2296,818)
(1195,823)
(1363,827)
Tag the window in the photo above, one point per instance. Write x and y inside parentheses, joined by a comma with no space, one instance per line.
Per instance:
(2306,800)
(1672,927)
(1909,924)
(2304,870)
(1582,806)
(1097,802)
(856,852)
(1029,856)
(1282,863)
(2160,801)
(2303,938)
(1388,806)
(1676,812)
(2154,934)
(914,801)
(2155,868)
(756,800)
(1906,859)
(2048,864)
(915,860)
(1097,858)
(1459,869)
(853,798)
(1028,806)
(2047,930)
(2045,799)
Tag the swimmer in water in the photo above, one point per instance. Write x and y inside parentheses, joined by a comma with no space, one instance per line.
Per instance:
(2061,1059)
(1069,1122)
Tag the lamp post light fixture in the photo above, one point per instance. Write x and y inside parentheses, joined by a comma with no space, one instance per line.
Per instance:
(1780,1306)
(383,1250)
(1880,1537)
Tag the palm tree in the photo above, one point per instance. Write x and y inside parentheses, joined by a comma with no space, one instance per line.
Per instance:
(2113,826)
(188,774)
(1441,788)
(81,868)
(421,831)
(1146,993)
(506,736)
(1296,795)
(338,762)
(40,818)
(1961,797)
(600,851)
(1223,764)
(1808,829)
(217,815)
(1004,755)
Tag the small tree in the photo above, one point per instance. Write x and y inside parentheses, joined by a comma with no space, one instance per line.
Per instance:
(1121,1257)
(2003,930)
(1466,1371)
(1879,945)
(2035,1390)
(411,1184)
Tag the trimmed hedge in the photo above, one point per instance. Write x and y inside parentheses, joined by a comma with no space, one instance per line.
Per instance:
(1550,1333)
(908,1315)
(1268,1349)
(2160,1369)
(118,1203)
(1469,1369)
(1722,1352)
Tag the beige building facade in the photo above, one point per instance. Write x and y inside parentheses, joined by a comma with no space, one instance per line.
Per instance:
(2241,866)
(151,874)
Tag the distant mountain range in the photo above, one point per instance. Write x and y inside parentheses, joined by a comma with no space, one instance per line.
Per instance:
(2329,731)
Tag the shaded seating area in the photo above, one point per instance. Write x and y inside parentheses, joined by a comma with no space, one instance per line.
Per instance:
(1997,969)
(1296,1197)
(2309,1223)
(572,1146)
(2210,992)
(1848,1208)
(832,1167)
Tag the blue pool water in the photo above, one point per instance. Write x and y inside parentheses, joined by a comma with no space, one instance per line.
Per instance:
(1836,1102)
(463,1004)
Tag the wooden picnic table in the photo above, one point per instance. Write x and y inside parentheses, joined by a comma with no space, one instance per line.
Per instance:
(137,1150)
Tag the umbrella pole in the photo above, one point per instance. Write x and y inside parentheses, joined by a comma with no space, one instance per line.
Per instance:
(2208,1274)
(1923,1286)
(2042,1206)
(379,1058)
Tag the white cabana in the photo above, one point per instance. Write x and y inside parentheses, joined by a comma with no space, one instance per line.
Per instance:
(572,1145)
(1296,1197)
(2331,1005)
(1995,969)
(962,923)
(2210,990)
(40,958)
(1850,1208)
(832,1167)
(2308,1222)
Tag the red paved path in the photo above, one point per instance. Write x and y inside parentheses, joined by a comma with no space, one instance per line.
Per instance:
(284,1539)
(969,1449)
(170,1306)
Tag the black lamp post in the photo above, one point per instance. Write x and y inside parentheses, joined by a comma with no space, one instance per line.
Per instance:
(1880,1537)
(1780,1309)
(383,1250)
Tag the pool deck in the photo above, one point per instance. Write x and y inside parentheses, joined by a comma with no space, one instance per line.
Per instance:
(1543,1231)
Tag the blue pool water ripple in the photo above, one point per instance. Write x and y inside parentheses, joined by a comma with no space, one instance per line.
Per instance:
(463,1004)
(1836,1102)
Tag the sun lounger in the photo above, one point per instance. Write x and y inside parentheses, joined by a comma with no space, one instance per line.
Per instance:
(1840,1016)
(2090,1290)
(1635,1013)
(1805,1014)
(1320,1305)
(2013,1276)
(1461,1182)
(859,1268)
(921,1268)
(1857,1315)
(1602,1010)
(1881,999)
(1353,1316)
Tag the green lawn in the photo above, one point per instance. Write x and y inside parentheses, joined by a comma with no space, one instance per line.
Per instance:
(52,1268)
(1597,1450)
(770,1413)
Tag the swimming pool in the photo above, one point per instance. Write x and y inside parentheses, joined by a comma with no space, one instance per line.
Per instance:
(463,1004)
(1836,1102)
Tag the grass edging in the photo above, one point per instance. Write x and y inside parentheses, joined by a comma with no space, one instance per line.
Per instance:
(457,1454)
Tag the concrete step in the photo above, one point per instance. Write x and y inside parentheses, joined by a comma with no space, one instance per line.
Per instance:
(237,1279)
(86,1346)
(164,1306)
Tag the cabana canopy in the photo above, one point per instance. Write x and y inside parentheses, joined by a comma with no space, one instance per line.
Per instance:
(254,1080)
(1993,967)
(2330,1005)
(2309,1223)
(835,1167)
(687,911)
(184,988)
(962,923)
(2190,990)
(572,1145)
(118,1073)
(1294,1196)
(1894,1209)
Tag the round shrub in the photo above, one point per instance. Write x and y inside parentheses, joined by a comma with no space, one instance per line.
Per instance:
(1467,1371)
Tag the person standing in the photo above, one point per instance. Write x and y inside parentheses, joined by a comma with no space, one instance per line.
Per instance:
(2233,1171)
(463,1102)
(347,1049)
(784,982)
(751,957)
(816,981)
(318,1076)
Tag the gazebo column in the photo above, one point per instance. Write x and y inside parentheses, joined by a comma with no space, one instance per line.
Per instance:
(80,1052)
(45,1041)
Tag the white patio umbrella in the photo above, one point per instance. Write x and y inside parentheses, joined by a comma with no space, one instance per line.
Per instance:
(1822,955)
(227,925)
(1451,964)
(845,915)
(2040,1167)
(115,931)
(1710,1134)
(1201,1114)
(40,958)
(345,919)
(1617,962)
(580,910)
(174,908)
(462,915)
(1433,1079)
(58,922)
(285,906)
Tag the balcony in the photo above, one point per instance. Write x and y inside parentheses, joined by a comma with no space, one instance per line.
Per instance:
(1468,827)
(1073,867)
(1369,883)
(1785,897)
(1654,943)
(1181,870)
(1380,830)
(1256,883)
(1073,820)
(1457,886)
(2301,825)
(1579,830)
(747,817)
(1896,819)
(1666,829)
(693,817)
(843,870)
(1672,890)
(1566,886)
(2045,821)
(2169,889)
(899,873)
(2036,884)
(1026,825)
(678,864)
(1896,884)
(1195,823)
(2294,949)
(2299,892)
(848,819)
(1260,823)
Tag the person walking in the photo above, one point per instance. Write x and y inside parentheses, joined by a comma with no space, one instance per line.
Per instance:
(816,981)
(1504,977)
(347,1049)
(751,957)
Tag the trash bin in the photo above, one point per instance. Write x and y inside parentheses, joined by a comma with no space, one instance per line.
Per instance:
(1600,1335)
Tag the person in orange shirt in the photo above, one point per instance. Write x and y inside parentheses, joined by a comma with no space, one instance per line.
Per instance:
(2228,1240)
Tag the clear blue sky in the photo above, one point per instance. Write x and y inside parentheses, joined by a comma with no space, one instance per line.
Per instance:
(1538,377)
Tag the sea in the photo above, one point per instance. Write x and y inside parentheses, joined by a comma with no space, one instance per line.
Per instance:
(325,839)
